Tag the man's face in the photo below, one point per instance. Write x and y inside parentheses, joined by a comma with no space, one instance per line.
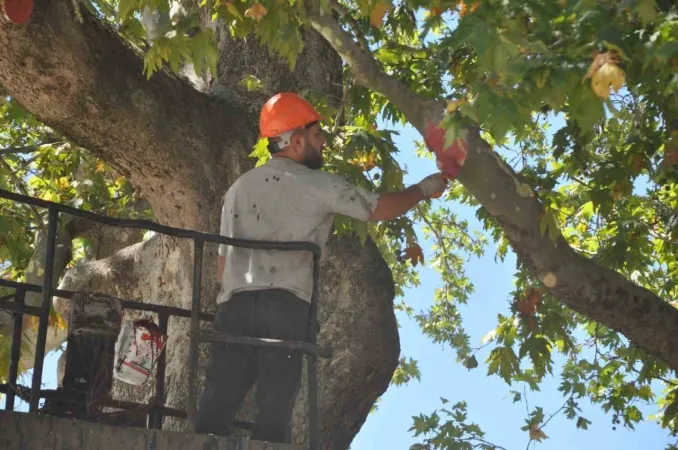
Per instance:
(313,143)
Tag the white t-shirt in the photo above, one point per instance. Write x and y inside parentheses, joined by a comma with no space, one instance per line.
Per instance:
(283,200)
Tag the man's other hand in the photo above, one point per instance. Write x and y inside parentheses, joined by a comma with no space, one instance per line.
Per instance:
(433,185)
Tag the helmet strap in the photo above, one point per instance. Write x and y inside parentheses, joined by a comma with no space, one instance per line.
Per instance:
(273,147)
(283,140)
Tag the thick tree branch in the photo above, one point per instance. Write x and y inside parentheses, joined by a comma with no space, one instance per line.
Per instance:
(346,15)
(85,81)
(368,73)
(601,294)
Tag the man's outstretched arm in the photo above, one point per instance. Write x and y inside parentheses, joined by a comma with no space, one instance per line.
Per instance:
(394,204)
(356,202)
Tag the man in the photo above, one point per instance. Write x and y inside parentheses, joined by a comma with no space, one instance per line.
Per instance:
(267,293)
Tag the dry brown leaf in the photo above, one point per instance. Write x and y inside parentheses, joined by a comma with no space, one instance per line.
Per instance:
(604,73)
(537,434)
(671,158)
(378,13)
(435,11)
(637,164)
(454,104)
(463,10)
(529,302)
(365,161)
(414,254)
(256,11)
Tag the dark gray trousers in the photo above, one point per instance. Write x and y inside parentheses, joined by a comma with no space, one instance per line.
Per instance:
(233,369)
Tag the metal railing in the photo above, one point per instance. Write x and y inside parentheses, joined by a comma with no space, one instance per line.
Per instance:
(156,409)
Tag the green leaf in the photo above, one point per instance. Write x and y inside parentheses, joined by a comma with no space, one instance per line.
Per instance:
(469,111)
(647,11)
(260,152)
(586,211)
(360,228)
(584,107)
(498,114)
(406,371)
(539,350)
(583,423)
(5,226)
(471,362)
(419,425)
(204,52)
(388,55)
(126,8)
(503,361)
(517,396)
(548,222)
(671,411)
(251,82)
(667,51)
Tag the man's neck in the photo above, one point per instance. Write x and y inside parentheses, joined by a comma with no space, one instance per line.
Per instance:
(286,157)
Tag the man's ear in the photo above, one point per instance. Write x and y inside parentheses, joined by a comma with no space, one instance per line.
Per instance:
(297,141)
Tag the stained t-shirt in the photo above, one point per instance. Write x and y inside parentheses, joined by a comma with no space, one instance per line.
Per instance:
(283,200)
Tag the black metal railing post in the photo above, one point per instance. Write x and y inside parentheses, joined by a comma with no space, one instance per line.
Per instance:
(195,331)
(45,307)
(157,416)
(313,360)
(15,352)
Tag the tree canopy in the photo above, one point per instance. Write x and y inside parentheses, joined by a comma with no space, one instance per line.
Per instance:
(606,183)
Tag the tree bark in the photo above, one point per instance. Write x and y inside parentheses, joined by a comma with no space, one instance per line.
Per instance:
(183,148)
(588,288)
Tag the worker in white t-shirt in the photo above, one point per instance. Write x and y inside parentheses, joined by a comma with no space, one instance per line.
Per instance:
(266,293)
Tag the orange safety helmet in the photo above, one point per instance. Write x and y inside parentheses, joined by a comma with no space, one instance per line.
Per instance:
(285,112)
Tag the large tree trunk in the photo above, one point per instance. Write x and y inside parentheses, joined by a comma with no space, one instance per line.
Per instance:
(183,148)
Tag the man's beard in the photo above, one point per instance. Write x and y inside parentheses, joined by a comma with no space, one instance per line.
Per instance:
(312,159)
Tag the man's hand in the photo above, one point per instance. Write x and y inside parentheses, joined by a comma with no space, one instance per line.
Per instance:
(433,185)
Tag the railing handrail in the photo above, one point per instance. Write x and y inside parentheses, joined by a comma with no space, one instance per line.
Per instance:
(164,229)
(125,303)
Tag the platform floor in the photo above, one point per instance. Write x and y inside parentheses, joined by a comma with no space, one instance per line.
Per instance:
(23,431)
